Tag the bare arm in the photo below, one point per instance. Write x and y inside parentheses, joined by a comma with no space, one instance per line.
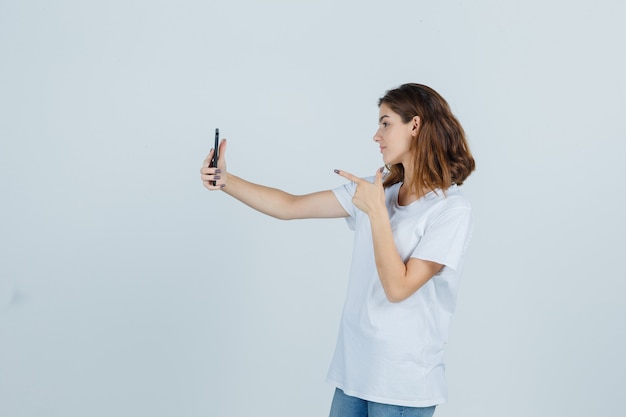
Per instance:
(267,200)
(399,279)
(282,205)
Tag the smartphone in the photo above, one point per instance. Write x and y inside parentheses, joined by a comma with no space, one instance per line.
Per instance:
(213,163)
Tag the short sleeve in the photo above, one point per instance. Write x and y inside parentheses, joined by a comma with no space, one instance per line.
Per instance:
(446,238)
(344,194)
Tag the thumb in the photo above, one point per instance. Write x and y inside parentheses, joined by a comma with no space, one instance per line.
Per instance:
(222,149)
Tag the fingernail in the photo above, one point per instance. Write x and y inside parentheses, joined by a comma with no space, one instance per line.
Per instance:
(336,171)
(217,177)
(218,171)
(222,185)
(382,169)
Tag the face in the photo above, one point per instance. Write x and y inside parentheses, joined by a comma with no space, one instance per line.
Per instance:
(394,136)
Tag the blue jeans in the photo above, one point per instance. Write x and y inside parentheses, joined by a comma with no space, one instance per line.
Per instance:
(347,406)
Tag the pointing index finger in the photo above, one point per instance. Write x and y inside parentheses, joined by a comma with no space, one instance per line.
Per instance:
(348,176)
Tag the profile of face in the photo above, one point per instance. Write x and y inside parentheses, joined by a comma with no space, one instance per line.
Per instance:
(394,137)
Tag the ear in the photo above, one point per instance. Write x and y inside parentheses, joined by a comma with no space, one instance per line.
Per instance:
(415,126)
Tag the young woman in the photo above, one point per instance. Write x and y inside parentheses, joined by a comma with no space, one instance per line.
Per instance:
(412,227)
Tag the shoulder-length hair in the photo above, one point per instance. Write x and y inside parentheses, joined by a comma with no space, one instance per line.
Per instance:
(442,156)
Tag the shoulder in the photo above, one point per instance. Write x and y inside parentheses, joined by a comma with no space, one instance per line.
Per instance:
(450,206)
(452,198)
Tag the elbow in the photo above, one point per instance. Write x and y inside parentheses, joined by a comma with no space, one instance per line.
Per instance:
(396,295)
(283,216)
(396,287)
(395,300)
(285,210)
(400,290)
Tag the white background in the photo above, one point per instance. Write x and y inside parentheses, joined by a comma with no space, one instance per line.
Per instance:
(127,289)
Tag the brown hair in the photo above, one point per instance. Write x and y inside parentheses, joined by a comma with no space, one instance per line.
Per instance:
(442,156)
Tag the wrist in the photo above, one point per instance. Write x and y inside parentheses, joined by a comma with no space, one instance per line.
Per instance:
(377,213)
(229,182)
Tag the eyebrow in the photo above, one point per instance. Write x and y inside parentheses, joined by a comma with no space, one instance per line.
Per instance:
(382,117)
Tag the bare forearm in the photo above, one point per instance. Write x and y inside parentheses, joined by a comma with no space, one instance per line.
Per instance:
(399,279)
(391,268)
(267,200)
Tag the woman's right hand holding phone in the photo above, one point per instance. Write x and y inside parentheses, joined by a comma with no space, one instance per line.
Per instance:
(214,178)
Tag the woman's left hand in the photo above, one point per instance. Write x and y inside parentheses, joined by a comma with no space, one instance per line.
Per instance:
(368,197)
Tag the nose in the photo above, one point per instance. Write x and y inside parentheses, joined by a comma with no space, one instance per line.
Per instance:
(377,137)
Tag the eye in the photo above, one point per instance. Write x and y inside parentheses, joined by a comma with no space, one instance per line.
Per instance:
(385,124)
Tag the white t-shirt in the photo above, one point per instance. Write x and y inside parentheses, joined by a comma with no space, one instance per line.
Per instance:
(392,353)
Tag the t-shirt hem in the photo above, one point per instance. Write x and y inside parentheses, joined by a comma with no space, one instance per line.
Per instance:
(389,401)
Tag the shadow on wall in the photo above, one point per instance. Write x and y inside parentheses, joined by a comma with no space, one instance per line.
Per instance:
(9,295)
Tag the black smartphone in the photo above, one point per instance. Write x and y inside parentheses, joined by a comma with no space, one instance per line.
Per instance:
(216,155)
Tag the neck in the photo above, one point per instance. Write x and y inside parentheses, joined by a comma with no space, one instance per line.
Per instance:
(407,189)
(408,175)
(406,194)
